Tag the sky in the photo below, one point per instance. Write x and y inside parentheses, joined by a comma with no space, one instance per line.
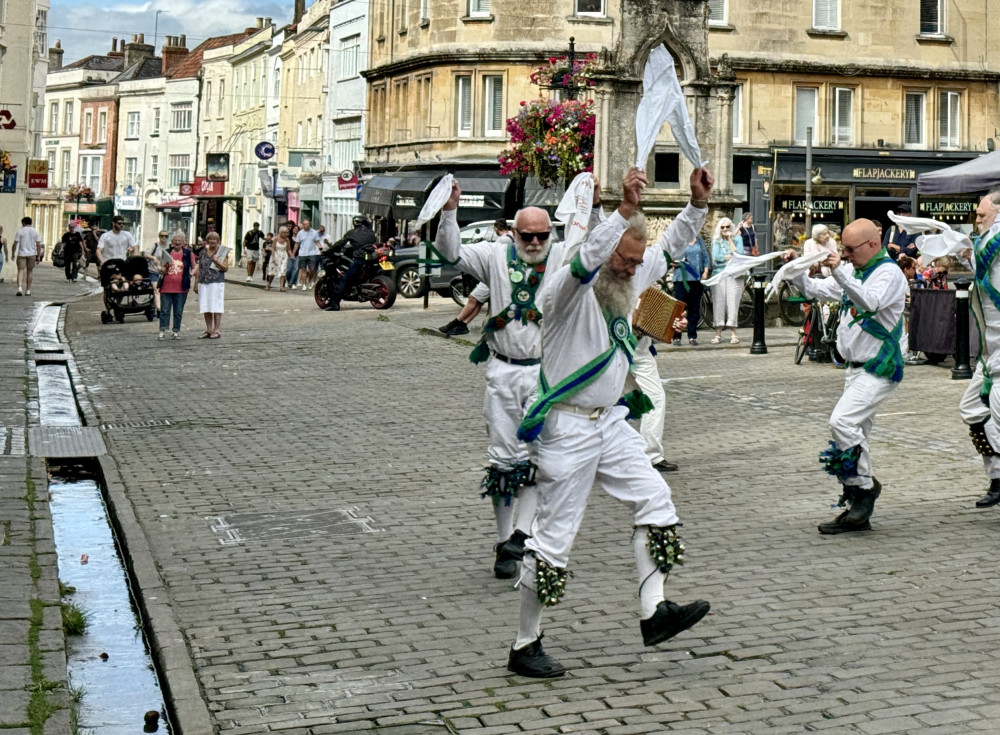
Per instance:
(86,27)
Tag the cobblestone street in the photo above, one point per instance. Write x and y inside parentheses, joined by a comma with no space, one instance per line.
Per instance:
(308,483)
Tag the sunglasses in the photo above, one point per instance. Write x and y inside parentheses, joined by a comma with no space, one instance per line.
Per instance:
(851,248)
(529,236)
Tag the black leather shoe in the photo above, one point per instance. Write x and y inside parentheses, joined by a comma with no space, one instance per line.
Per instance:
(534,662)
(665,466)
(992,496)
(455,327)
(513,548)
(505,567)
(856,518)
(671,619)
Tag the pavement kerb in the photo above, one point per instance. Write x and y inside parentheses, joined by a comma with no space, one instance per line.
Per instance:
(182,692)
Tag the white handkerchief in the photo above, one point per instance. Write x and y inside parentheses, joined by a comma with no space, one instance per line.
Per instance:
(740,265)
(435,201)
(793,268)
(574,209)
(662,100)
(936,239)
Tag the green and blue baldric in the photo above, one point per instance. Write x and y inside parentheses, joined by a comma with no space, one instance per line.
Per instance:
(888,362)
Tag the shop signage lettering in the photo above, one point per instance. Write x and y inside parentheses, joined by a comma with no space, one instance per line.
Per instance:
(764,171)
(885,174)
(472,200)
(947,207)
(403,201)
(818,205)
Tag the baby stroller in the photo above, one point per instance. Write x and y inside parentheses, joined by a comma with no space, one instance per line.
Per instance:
(127,295)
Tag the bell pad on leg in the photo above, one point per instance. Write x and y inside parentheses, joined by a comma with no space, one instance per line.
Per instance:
(665,546)
(500,484)
(550,583)
(841,463)
(980,441)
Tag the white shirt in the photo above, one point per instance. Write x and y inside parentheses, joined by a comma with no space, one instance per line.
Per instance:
(986,313)
(883,293)
(113,245)
(574,330)
(307,240)
(25,242)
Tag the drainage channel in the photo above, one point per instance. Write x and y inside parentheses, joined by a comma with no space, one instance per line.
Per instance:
(109,665)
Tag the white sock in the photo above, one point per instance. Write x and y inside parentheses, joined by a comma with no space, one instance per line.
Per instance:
(530,618)
(504,513)
(527,503)
(651,579)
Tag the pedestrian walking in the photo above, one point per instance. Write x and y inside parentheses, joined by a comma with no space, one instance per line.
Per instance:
(693,268)
(156,255)
(872,291)
(292,268)
(3,252)
(307,246)
(267,248)
(725,293)
(251,249)
(72,242)
(27,242)
(747,234)
(211,285)
(177,270)
(116,242)
(279,259)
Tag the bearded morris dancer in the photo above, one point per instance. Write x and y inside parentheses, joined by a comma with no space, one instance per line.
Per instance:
(980,405)
(515,273)
(582,432)
(872,291)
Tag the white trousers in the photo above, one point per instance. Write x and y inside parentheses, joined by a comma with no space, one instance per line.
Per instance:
(647,378)
(510,391)
(726,302)
(853,416)
(573,451)
(972,410)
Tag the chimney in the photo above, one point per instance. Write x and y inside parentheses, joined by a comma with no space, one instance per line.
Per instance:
(267,22)
(172,53)
(138,50)
(260,23)
(184,41)
(56,56)
(300,10)
(114,48)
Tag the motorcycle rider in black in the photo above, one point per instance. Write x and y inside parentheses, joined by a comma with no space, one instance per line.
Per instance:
(355,244)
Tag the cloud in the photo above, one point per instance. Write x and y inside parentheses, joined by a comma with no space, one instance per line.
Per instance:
(86,28)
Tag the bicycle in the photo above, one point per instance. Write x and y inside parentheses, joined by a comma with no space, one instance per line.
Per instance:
(744,316)
(792,305)
(819,336)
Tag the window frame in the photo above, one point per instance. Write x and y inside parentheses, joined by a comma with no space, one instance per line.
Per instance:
(955,134)
(463,80)
(65,164)
(940,20)
(54,118)
(68,118)
(475,9)
(179,111)
(156,121)
(737,114)
(824,27)
(88,176)
(131,162)
(352,52)
(154,167)
(795,116)
(180,173)
(87,130)
(922,145)
(133,121)
(724,21)
(489,91)
(602,13)
(102,126)
(835,139)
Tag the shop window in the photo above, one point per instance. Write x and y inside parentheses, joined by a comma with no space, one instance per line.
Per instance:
(717,12)
(463,106)
(826,15)
(805,112)
(842,117)
(913,119)
(949,119)
(931,17)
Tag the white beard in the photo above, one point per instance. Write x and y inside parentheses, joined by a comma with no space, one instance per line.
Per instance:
(527,257)
(614,294)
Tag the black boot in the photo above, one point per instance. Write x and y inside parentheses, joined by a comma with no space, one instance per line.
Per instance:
(505,566)
(855,518)
(455,327)
(671,619)
(534,662)
(513,548)
(992,496)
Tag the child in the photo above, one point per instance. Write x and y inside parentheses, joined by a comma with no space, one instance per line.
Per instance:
(118,283)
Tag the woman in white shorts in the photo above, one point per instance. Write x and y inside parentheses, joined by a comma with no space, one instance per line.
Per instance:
(211,286)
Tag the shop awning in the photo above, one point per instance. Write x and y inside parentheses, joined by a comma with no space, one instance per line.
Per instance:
(979,174)
(377,194)
(483,196)
(177,203)
(411,192)
(536,196)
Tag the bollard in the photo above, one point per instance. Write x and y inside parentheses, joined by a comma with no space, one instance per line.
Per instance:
(962,370)
(758,347)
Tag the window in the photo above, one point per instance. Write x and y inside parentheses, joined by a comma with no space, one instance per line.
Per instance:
(277,82)
(479,8)
(180,117)
(52,167)
(53,114)
(403,11)
(222,94)
(87,134)
(300,68)
(154,167)
(913,119)
(246,90)
(102,126)
(156,121)
(132,129)
(350,47)
(263,81)
(90,172)
(253,85)
(423,108)
(493,119)
(425,10)
(826,15)
(717,12)
(298,136)
(805,112)
(932,17)
(346,144)
(68,118)
(589,7)
(950,119)
(179,169)
(208,96)
(64,169)
(842,117)
(131,166)
(738,114)
(463,105)
(2,10)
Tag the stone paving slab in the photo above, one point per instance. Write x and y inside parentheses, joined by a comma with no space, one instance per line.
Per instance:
(400,624)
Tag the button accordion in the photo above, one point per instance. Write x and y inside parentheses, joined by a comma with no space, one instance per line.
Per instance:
(656,314)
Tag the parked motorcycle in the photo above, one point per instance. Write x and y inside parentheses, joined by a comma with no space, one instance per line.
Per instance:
(374,284)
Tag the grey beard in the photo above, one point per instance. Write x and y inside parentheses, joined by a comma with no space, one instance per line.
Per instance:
(527,257)
(613,294)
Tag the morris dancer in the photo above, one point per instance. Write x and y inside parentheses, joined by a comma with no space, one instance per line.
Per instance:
(980,405)
(872,291)
(587,346)
(515,273)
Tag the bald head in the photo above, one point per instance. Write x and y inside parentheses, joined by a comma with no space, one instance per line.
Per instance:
(861,241)
(531,234)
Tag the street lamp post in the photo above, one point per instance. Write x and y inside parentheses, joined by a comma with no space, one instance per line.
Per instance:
(809,178)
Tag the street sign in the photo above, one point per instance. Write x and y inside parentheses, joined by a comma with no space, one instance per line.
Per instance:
(217,166)
(205,187)
(264,151)
(186,189)
(7,121)
(347,180)
(38,173)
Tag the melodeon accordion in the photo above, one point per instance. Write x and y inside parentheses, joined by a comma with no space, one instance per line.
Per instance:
(656,313)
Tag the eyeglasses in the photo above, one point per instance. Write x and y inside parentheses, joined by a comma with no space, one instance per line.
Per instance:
(635,263)
(851,248)
(725,227)
(529,236)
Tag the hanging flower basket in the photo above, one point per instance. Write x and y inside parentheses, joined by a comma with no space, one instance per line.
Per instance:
(5,164)
(79,191)
(559,73)
(550,140)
